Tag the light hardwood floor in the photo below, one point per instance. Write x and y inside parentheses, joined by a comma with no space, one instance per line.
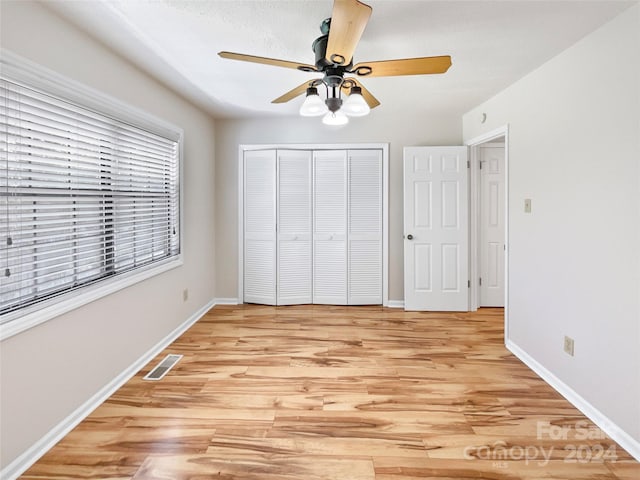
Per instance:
(340,393)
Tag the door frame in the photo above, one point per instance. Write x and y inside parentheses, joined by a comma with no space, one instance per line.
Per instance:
(474,213)
(318,146)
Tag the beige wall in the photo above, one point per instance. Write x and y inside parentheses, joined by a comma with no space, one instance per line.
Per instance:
(378,127)
(50,370)
(575,260)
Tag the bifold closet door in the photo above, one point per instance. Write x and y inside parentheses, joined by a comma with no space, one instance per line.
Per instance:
(294,227)
(365,227)
(330,227)
(260,227)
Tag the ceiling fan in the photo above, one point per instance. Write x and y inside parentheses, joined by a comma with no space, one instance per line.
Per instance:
(334,58)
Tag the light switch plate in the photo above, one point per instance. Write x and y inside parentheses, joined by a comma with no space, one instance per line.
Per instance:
(568,345)
(527,205)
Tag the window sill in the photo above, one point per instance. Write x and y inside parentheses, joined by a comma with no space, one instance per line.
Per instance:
(19,321)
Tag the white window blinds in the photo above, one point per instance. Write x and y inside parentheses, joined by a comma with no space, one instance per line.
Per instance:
(83,197)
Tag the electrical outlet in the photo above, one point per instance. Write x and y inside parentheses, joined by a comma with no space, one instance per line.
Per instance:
(185,294)
(568,345)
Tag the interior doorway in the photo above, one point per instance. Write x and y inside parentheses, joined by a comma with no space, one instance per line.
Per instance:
(489,220)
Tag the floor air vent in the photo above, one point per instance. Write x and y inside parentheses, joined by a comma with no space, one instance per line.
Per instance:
(163,367)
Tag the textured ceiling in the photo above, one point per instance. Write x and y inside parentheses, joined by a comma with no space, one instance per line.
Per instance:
(492,44)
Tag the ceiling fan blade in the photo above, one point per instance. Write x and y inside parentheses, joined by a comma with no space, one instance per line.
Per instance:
(348,20)
(291,94)
(268,61)
(366,94)
(407,66)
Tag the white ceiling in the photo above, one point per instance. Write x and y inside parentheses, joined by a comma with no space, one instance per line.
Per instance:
(492,44)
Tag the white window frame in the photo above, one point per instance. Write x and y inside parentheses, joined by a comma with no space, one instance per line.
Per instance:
(22,70)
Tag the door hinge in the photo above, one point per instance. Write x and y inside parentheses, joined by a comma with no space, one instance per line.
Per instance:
(480,281)
(468,283)
(468,163)
(480,162)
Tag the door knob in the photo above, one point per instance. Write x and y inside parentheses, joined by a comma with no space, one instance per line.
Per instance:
(409,237)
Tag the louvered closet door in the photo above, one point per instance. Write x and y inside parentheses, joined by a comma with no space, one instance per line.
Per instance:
(365,227)
(330,227)
(260,227)
(294,227)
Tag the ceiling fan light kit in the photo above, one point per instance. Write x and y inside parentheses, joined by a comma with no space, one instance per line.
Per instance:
(334,58)
(355,105)
(313,106)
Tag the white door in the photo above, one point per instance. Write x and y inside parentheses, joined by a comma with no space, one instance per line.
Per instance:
(294,227)
(365,227)
(492,234)
(260,227)
(436,224)
(330,227)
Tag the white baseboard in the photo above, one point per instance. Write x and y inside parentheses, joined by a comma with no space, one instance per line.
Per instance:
(626,441)
(42,446)
(226,301)
(396,304)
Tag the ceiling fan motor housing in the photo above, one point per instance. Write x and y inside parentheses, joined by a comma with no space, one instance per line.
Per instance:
(319,48)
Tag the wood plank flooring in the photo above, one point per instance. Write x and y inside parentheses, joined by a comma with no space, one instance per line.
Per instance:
(319,392)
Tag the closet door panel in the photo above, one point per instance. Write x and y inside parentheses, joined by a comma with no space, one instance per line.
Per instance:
(365,278)
(330,227)
(313,227)
(365,227)
(260,227)
(294,227)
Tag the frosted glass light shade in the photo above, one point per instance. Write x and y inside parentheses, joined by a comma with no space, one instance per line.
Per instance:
(355,105)
(335,118)
(313,105)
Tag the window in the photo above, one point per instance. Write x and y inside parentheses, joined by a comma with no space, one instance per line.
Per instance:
(84,197)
